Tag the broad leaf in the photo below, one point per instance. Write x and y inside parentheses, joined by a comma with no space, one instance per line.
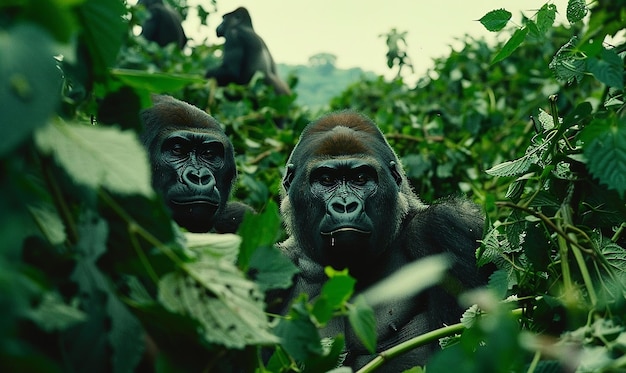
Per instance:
(30,83)
(609,69)
(363,322)
(104,31)
(270,269)
(546,120)
(111,332)
(49,222)
(513,168)
(213,245)
(258,230)
(545,17)
(217,295)
(334,295)
(471,316)
(605,149)
(52,314)
(567,65)
(514,42)
(496,19)
(298,335)
(98,156)
(156,82)
(576,10)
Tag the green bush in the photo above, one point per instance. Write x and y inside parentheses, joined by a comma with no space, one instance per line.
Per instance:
(91,265)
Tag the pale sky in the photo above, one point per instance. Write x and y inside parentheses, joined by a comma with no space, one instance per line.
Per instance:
(297,29)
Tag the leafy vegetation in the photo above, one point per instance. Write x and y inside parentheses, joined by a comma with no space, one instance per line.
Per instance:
(93,274)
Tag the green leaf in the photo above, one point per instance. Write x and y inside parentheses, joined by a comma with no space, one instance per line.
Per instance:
(515,167)
(258,230)
(605,149)
(111,332)
(298,335)
(495,20)
(545,17)
(270,269)
(52,314)
(576,10)
(213,245)
(546,120)
(514,42)
(156,82)
(615,256)
(217,295)
(50,223)
(609,69)
(334,295)
(339,288)
(567,64)
(499,283)
(30,83)
(98,156)
(363,322)
(471,316)
(104,30)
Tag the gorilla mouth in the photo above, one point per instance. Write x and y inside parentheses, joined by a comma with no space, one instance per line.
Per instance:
(347,237)
(345,229)
(195,202)
(194,215)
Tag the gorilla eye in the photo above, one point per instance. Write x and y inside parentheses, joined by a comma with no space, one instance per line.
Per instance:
(360,179)
(177,149)
(326,180)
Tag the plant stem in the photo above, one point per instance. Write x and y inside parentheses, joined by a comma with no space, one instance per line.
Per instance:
(580,260)
(419,341)
(411,344)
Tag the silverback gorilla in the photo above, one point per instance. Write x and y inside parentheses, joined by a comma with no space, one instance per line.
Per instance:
(193,166)
(347,203)
(245,53)
(163,25)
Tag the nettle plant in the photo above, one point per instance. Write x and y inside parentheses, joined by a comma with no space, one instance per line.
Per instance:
(558,233)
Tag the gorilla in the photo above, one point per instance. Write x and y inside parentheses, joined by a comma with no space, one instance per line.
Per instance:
(193,166)
(164,24)
(346,203)
(245,53)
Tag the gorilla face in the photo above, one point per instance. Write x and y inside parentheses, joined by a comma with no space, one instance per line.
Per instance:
(342,193)
(193,163)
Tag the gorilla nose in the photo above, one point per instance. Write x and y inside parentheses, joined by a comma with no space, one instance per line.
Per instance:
(345,208)
(199,178)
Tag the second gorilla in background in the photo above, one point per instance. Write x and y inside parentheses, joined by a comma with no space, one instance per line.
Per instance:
(193,166)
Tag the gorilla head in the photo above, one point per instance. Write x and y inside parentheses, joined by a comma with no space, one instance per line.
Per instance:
(343,183)
(193,163)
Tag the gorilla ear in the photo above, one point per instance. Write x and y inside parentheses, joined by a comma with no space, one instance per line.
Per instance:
(290,171)
(393,167)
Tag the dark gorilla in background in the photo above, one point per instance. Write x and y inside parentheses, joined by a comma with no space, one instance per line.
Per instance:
(347,203)
(164,25)
(193,166)
(245,53)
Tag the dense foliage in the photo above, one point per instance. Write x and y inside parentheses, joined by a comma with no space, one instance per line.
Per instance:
(91,265)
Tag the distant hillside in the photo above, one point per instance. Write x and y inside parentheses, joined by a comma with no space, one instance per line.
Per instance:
(317,84)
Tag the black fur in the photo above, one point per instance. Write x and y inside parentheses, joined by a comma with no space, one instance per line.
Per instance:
(164,25)
(245,53)
(346,202)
